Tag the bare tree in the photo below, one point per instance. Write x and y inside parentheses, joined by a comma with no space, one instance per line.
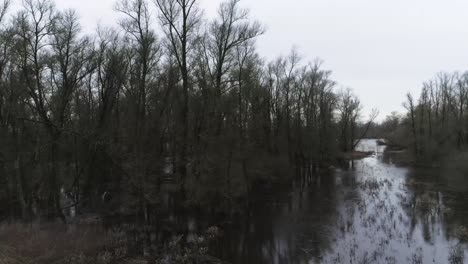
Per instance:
(180,20)
(349,109)
(229,31)
(144,50)
(34,28)
(372,116)
(4,8)
(411,108)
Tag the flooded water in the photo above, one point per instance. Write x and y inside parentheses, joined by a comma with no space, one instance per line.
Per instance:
(375,212)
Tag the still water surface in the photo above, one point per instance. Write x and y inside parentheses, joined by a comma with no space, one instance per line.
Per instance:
(374,212)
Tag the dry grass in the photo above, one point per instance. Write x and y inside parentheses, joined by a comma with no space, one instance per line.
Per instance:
(53,243)
(56,243)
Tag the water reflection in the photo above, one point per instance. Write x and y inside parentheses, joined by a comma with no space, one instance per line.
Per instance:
(375,213)
(284,227)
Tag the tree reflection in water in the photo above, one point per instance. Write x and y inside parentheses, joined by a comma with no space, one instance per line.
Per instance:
(374,212)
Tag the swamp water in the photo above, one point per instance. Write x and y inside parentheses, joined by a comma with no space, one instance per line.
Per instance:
(374,212)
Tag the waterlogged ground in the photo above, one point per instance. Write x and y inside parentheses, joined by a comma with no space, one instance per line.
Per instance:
(375,212)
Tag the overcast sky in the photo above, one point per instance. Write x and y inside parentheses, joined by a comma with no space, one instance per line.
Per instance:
(380,49)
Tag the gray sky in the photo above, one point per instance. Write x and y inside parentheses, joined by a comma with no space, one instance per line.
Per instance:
(380,49)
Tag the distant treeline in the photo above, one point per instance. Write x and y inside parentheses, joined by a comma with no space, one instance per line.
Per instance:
(108,117)
(435,127)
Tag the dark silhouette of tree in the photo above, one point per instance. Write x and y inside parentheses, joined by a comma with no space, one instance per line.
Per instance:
(434,127)
(99,123)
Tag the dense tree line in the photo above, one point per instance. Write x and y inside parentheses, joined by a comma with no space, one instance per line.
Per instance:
(107,117)
(436,124)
